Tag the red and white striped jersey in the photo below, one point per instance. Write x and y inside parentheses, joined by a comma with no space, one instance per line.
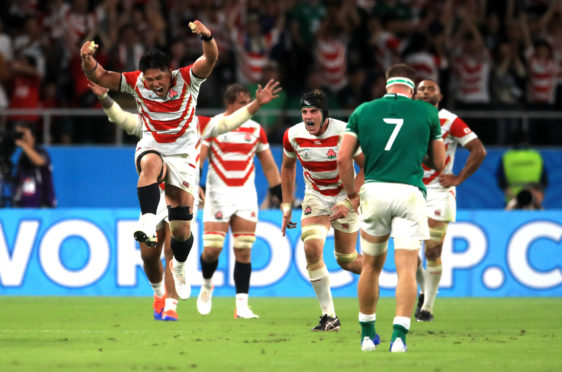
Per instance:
(472,74)
(426,65)
(317,155)
(231,158)
(331,57)
(542,78)
(252,54)
(454,131)
(170,125)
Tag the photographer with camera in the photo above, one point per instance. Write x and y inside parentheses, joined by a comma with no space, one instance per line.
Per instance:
(33,181)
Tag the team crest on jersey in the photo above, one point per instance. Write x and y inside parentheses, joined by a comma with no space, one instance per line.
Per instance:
(172,93)
(248,138)
(331,154)
(218,215)
(307,210)
(306,154)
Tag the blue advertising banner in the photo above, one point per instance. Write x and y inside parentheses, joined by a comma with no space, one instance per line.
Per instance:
(91,252)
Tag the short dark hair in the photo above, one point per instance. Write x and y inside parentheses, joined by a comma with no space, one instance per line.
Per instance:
(232,91)
(401,70)
(156,59)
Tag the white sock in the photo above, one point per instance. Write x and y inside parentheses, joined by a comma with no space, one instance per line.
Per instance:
(320,280)
(159,289)
(367,317)
(432,279)
(177,265)
(171,304)
(148,222)
(420,272)
(241,300)
(207,283)
(403,321)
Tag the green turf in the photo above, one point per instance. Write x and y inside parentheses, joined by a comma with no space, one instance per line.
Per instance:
(119,334)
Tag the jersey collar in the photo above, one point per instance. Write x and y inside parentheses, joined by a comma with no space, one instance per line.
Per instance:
(388,95)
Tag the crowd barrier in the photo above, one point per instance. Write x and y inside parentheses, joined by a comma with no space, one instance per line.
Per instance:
(91,252)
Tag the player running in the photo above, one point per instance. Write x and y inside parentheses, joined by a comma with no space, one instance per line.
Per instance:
(315,142)
(441,205)
(231,199)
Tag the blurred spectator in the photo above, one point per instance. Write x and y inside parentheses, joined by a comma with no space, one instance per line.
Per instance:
(426,63)
(5,58)
(129,49)
(33,185)
(25,87)
(522,176)
(542,71)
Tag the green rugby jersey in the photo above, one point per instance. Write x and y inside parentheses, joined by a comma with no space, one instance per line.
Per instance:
(394,133)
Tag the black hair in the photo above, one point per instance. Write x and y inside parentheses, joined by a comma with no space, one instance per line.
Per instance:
(154,59)
(316,98)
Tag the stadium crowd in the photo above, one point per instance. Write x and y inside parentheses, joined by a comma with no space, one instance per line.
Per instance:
(488,54)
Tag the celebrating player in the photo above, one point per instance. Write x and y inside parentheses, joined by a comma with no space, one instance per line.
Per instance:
(166,102)
(231,199)
(165,300)
(315,142)
(395,134)
(441,202)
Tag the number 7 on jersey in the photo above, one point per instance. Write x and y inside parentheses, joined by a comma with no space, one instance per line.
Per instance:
(398,123)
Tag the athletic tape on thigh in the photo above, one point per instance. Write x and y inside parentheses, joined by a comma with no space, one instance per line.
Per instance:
(151,152)
(409,244)
(313,232)
(437,234)
(213,239)
(244,240)
(345,257)
(179,214)
(373,249)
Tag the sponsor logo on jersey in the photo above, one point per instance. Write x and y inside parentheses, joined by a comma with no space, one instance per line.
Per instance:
(437,212)
(253,214)
(345,225)
(218,215)
(331,154)
(186,184)
(307,210)
(172,93)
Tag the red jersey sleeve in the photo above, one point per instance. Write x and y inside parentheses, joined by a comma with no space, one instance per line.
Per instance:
(262,136)
(286,143)
(184,71)
(459,128)
(203,122)
(131,78)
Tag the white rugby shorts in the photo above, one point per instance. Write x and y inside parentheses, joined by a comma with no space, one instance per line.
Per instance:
(315,204)
(393,208)
(441,204)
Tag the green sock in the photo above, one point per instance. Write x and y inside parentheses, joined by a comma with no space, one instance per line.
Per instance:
(398,331)
(367,329)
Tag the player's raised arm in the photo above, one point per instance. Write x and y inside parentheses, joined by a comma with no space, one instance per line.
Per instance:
(94,71)
(123,119)
(230,122)
(204,65)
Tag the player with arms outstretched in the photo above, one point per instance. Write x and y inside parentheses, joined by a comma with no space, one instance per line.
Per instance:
(396,134)
(315,142)
(231,199)
(441,204)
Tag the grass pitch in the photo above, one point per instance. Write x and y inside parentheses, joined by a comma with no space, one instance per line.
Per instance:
(119,334)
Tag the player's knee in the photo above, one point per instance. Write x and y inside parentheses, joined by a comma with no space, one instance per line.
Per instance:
(244,240)
(180,220)
(373,249)
(316,231)
(315,265)
(214,240)
(345,259)
(437,234)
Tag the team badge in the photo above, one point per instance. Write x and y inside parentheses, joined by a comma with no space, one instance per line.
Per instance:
(172,93)
(331,154)
(218,215)
(306,154)
(307,210)
(248,138)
